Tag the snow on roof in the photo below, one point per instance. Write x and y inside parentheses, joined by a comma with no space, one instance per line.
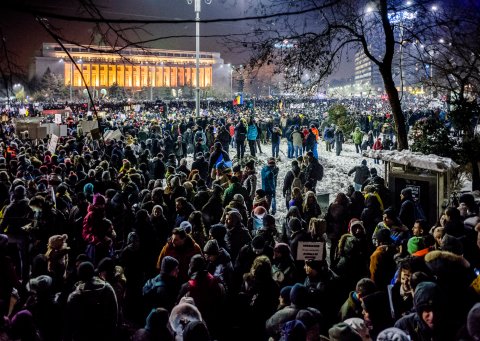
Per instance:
(414,159)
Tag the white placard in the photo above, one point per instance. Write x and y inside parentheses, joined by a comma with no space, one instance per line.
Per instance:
(112,135)
(58,119)
(52,145)
(63,130)
(88,126)
(310,250)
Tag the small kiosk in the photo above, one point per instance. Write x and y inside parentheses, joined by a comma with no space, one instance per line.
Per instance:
(428,176)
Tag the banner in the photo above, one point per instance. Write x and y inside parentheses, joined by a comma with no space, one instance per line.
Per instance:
(310,250)
(52,145)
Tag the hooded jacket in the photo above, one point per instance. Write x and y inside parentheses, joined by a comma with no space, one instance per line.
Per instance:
(92,311)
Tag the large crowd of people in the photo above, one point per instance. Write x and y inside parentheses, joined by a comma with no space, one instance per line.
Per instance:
(172,232)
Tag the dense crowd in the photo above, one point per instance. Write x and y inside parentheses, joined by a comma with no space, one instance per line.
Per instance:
(172,232)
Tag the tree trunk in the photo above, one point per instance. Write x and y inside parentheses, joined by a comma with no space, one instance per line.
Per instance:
(394,100)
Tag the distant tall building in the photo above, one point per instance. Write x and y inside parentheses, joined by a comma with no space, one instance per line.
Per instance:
(367,75)
(135,68)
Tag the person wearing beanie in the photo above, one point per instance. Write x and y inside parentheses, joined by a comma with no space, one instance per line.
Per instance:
(249,182)
(361,175)
(313,172)
(425,322)
(376,313)
(218,232)
(293,179)
(162,290)
(299,298)
(284,298)
(343,332)
(294,330)
(407,208)
(216,157)
(156,327)
(257,247)
(207,292)
(382,264)
(219,263)
(92,309)
(415,244)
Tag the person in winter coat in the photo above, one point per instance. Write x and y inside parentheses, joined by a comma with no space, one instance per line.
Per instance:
(426,322)
(219,264)
(357,137)
(249,182)
(299,303)
(269,183)
(162,290)
(292,179)
(207,292)
(407,208)
(313,171)
(337,218)
(237,235)
(183,209)
(218,155)
(155,327)
(98,231)
(297,141)
(310,208)
(377,146)
(339,139)
(201,165)
(361,175)
(382,264)
(283,266)
(240,136)
(261,295)
(353,305)
(376,313)
(252,134)
(92,311)
(181,247)
(276,136)
(233,188)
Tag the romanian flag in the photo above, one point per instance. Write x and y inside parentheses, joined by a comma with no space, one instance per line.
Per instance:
(238,100)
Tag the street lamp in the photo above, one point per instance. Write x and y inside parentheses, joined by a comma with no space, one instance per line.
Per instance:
(197,9)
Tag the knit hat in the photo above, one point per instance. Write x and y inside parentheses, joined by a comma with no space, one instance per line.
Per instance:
(186,226)
(85,271)
(393,334)
(269,220)
(285,294)
(299,295)
(99,200)
(157,319)
(473,322)
(211,248)
(168,264)
(88,188)
(40,284)
(415,244)
(294,331)
(360,327)
(343,332)
(20,192)
(295,224)
(364,162)
(427,296)
(106,265)
(452,244)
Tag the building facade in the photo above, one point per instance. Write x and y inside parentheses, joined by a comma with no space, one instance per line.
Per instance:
(133,68)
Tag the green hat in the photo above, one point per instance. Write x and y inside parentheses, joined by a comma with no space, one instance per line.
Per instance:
(415,244)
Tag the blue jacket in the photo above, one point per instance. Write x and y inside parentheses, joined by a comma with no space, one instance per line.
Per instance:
(269,179)
(252,132)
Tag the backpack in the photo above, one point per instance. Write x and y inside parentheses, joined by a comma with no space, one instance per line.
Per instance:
(297,182)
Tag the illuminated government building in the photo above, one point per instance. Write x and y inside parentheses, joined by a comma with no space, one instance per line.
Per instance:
(135,68)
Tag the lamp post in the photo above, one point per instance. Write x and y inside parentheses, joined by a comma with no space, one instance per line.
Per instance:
(231,80)
(197,9)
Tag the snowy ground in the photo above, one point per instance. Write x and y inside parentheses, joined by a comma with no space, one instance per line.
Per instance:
(336,168)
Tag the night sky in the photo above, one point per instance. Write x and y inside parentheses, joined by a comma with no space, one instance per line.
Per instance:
(24,35)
